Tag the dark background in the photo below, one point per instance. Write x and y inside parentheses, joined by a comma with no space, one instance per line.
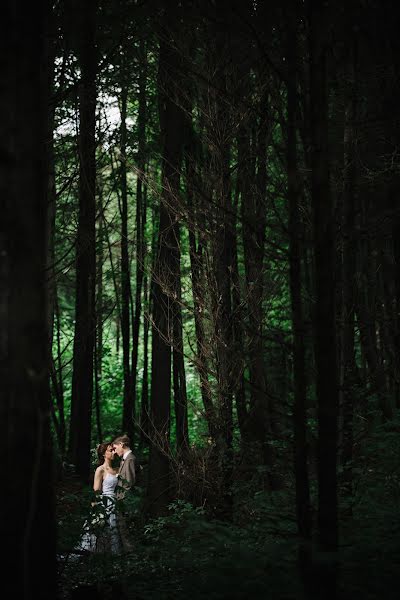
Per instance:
(200,247)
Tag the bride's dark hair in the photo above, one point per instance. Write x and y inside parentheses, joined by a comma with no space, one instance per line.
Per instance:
(101,450)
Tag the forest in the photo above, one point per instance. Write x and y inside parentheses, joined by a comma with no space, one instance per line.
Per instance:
(200,250)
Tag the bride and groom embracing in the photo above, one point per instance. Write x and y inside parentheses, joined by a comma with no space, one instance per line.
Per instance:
(106,529)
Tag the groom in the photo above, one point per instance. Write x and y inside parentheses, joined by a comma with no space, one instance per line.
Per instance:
(126,480)
(126,473)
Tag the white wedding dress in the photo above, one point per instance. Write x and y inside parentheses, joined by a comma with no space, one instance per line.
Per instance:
(101,533)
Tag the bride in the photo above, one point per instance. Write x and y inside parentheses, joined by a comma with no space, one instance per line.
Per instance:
(101,532)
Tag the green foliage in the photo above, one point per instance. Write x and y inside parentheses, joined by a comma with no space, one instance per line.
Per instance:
(187,555)
(73,506)
(377,471)
(111,393)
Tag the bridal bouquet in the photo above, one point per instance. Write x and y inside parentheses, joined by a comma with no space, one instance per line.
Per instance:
(98,515)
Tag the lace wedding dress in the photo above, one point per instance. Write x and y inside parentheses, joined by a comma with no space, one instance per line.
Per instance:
(101,533)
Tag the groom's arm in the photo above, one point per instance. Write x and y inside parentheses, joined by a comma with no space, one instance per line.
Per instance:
(130,472)
(127,478)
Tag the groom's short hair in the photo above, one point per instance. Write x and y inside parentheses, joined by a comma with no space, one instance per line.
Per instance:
(124,440)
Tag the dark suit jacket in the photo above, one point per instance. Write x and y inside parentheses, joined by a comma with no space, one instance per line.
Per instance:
(126,475)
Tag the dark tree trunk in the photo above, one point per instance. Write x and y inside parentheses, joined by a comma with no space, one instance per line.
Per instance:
(51,192)
(52,307)
(116,286)
(128,414)
(165,270)
(254,220)
(117,333)
(97,393)
(396,261)
(367,321)
(179,376)
(144,406)
(325,327)
(148,308)
(222,265)
(98,347)
(141,211)
(28,526)
(388,316)
(196,254)
(85,325)
(180,394)
(298,328)
(237,303)
(100,294)
(220,223)
(348,364)
(55,402)
(59,380)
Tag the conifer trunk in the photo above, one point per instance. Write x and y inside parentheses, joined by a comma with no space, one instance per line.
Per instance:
(165,269)
(128,412)
(325,327)
(85,324)
(298,328)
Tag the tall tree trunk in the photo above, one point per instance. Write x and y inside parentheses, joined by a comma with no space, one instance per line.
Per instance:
(388,315)
(52,306)
(196,254)
(28,526)
(163,285)
(180,393)
(141,209)
(144,405)
(396,261)
(51,192)
(325,328)
(178,362)
(222,265)
(59,383)
(97,393)
(147,320)
(254,221)
(348,364)
(128,413)
(298,328)
(85,325)
(237,303)
(98,347)
(366,317)
(222,254)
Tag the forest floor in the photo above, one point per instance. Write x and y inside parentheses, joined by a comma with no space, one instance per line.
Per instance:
(187,555)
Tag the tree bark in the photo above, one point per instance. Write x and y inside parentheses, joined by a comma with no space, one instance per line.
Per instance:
(222,255)
(253,208)
(325,327)
(59,380)
(28,526)
(144,405)
(178,360)
(238,309)
(128,411)
(141,211)
(348,363)
(165,270)
(298,328)
(98,347)
(85,325)
(196,254)
(367,320)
